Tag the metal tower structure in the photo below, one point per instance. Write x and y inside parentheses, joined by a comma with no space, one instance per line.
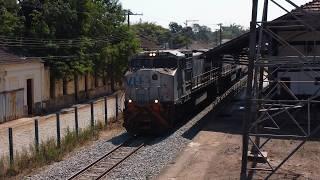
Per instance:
(284,63)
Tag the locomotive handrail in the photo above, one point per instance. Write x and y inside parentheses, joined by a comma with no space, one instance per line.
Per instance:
(205,78)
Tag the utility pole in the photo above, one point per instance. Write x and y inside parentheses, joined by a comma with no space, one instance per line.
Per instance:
(129,13)
(220,32)
(186,23)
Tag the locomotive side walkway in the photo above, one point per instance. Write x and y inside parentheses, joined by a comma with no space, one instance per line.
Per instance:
(215,152)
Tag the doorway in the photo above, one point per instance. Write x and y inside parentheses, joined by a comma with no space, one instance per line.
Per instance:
(30,96)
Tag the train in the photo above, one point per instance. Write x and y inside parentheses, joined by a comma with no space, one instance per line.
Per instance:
(163,86)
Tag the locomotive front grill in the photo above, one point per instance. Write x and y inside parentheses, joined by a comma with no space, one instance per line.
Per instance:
(142,97)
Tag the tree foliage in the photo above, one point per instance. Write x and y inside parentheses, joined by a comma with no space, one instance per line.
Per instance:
(79,32)
(178,36)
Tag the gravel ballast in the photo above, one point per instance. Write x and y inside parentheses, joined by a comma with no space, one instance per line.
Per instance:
(145,164)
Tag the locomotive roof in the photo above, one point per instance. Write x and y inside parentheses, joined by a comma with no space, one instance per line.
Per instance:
(172,52)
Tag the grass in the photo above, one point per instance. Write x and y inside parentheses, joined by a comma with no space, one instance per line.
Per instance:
(48,151)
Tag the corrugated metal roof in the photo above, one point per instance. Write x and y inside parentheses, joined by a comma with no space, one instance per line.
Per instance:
(6,57)
(237,44)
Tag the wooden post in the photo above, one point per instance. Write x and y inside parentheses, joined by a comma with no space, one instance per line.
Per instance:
(36,134)
(10,147)
(106,111)
(76,120)
(117,108)
(92,114)
(58,131)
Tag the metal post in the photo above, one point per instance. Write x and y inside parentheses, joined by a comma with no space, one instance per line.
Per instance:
(76,120)
(58,131)
(92,115)
(248,119)
(106,111)
(117,108)
(36,134)
(11,147)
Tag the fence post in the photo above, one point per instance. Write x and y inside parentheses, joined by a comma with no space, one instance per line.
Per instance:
(11,147)
(92,115)
(105,111)
(117,108)
(36,134)
(58,131)
(76,120)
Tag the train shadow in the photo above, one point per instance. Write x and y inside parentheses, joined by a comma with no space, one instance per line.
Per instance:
(206,119)
(226,117)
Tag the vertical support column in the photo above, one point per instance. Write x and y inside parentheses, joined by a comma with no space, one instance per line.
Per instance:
(58,131)
(36,134)
(11,147)
(117,107)
(92,114)
(248,119)
(76,120)
(106,111)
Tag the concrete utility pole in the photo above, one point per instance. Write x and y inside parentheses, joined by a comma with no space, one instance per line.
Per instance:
(220,32)
(129,13)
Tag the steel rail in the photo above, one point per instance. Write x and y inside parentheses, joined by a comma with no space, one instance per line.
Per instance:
(107,155)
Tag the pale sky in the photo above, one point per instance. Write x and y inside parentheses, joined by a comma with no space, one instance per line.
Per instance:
(208,12)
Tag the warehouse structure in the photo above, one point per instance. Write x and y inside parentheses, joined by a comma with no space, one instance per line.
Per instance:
(283,56)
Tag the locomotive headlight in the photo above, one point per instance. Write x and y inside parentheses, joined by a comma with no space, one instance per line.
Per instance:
(130,101)
(156,101)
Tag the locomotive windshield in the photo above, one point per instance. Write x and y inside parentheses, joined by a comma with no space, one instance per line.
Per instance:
(156,62)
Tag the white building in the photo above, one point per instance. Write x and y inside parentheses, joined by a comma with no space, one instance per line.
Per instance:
(21,90)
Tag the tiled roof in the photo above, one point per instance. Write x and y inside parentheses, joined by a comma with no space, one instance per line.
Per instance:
(7,57)
(313,6)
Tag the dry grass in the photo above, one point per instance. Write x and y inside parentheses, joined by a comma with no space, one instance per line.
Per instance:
(48,151)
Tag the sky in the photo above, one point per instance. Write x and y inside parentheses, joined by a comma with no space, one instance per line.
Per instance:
(207,12)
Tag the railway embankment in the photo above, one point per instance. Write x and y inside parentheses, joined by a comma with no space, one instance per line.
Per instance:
(38,141)
(149,161)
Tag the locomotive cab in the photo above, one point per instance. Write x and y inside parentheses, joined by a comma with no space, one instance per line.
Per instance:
(155,82)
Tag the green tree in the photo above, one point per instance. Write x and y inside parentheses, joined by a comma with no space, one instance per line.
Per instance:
(81,31)
(10,23)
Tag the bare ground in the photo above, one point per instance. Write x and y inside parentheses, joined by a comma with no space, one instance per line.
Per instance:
(216,151)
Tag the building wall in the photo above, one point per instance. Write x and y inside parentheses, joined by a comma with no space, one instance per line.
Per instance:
(13,89)
(61,100)
(299,36)
(2,73)
(304,82)
(16,76)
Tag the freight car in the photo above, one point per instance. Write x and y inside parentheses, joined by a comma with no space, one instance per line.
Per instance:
(162,86)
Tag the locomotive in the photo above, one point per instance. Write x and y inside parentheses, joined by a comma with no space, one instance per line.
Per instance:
(162,86)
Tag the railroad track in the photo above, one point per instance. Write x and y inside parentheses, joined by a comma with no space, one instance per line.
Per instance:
(108,162)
